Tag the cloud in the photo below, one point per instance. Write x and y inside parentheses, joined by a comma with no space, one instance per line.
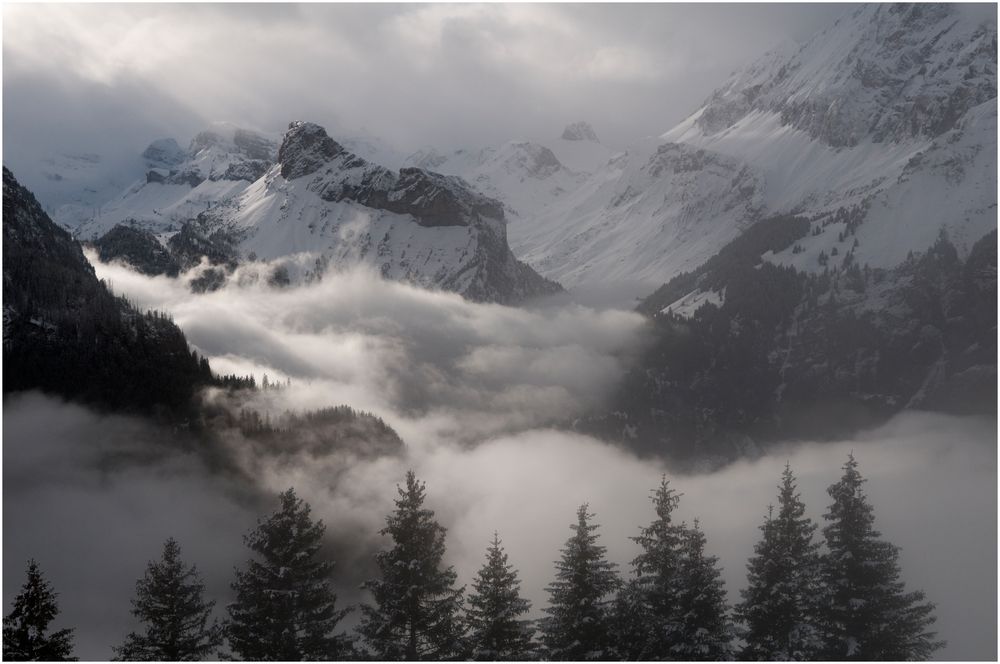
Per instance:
(445,75)
(932,480)
(408,354)
(478,393)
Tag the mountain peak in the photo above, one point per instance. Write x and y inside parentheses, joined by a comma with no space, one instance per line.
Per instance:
(579,131)
(882,73)
(304,148)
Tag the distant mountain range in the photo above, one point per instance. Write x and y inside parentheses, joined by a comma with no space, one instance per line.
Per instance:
(313,205)
(886,118)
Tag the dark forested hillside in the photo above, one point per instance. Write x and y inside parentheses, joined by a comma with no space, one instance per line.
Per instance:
(788,354)
(65,333)
(139,248)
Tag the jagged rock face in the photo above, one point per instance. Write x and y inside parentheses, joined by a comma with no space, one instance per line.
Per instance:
(305,148)
(248,170)
(439,200)
(137,247)
(579,131)
(885,72)
(337,210)
(431,198)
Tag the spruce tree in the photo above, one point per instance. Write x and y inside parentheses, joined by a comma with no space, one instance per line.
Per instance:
(170,603)
(780,603)
(869,615)
(630,626)
(674,608)
(579,621)
(285,608)
(416,611)
(648,609)
(496,629)
(25,627)
(703,628)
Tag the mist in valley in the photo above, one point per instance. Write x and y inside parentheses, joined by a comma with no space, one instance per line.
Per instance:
(484,397)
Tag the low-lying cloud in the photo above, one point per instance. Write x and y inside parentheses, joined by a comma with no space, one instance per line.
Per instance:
(478,393)
(431,363)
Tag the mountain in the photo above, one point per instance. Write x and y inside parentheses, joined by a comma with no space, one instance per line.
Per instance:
(137,247)
(65,333)
(886,118)
(178,184)
(584,214)
(528,176)
(889,114)
(773,353)
(322,207)
(865,281)
(652,211)
(310,204)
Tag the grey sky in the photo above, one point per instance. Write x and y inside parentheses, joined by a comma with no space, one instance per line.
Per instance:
(96,77)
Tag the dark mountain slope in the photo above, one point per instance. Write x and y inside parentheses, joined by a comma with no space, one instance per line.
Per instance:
(65,333)
(787,354)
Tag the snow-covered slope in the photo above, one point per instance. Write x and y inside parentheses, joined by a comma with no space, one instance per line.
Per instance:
(627,218)
(888,116)
(886,120)
(657,209)
(323,207)
(528,176)
(177,185)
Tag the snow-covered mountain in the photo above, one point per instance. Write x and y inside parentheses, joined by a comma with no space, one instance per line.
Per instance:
(885,121)
(583,214)
(322,207)
(178,184)
(528,176)
(890,113)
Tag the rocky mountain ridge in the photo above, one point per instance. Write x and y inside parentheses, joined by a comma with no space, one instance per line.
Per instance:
(322,207)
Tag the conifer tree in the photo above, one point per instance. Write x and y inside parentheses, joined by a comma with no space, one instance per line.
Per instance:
(653,599)
(704,631)
(25,627)
(579,621)
(675,607)
(170,603)
(780,603)
(416,611)
(496,629)
(285,608)
(869,615)
(630,626)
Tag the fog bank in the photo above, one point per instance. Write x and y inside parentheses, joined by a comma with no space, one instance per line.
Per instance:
(479,394)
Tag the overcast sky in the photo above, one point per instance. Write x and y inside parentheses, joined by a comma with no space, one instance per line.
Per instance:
(96,77)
